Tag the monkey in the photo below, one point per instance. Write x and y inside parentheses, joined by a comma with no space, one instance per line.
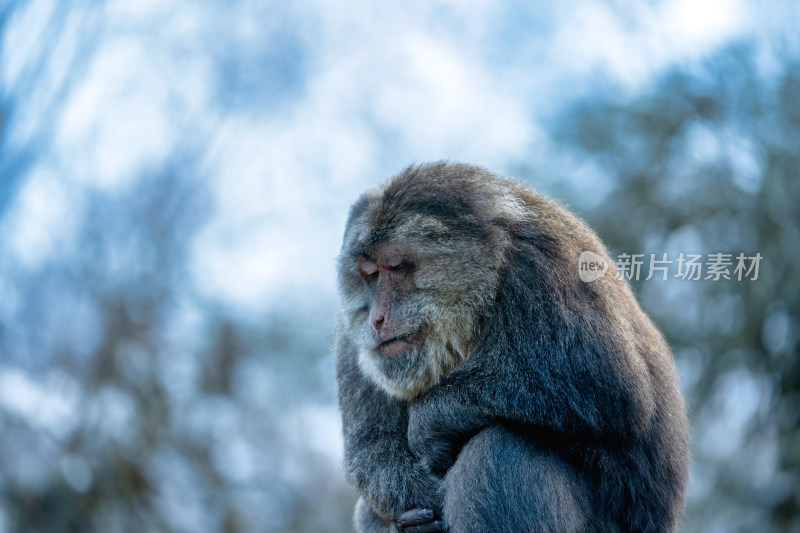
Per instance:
(483,386)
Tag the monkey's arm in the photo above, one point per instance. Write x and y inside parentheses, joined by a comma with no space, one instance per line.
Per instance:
(378,460)
(561,373)
(472,399)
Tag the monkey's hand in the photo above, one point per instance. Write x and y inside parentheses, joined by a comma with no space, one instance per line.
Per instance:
(393,489)
(417,521)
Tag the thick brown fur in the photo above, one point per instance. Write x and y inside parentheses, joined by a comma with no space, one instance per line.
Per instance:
(529,400)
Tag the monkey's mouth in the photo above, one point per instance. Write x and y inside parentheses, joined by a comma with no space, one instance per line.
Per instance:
(398,344)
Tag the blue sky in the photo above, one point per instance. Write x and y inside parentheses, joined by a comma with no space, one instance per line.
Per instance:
(294,109)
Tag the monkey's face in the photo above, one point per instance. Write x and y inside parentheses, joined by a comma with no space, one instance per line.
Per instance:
(413,288)
(409,329)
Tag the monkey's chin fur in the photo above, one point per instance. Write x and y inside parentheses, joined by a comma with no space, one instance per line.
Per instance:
(409,372)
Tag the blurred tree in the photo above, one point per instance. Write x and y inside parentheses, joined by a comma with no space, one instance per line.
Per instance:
(172,419)
(128,401)
(22,89)
(707,162)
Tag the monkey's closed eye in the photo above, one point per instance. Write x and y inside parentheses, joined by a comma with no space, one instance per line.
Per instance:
(368,270)
(401,266)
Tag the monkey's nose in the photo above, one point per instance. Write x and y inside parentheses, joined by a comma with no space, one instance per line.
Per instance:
(379,322)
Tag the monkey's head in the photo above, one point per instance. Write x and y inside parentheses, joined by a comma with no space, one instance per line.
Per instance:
(420,264)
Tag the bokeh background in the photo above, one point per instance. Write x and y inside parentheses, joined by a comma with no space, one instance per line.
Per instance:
(174,181)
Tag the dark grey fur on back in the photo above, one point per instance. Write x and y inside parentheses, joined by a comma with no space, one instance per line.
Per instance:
(537,402)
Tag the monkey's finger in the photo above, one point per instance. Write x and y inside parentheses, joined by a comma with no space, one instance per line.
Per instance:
(415,517)
(432,527)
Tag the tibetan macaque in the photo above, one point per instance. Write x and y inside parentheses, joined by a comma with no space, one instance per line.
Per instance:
(484,387)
